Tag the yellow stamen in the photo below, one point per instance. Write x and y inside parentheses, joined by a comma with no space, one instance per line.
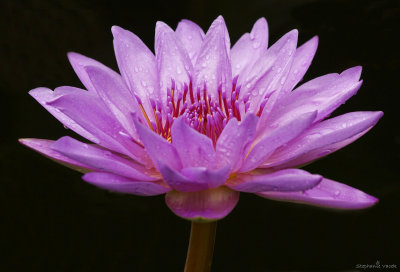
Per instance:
(145,116)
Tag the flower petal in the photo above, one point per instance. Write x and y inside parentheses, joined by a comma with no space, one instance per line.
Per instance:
(323,94)
(44,147)
(178,181)
(91,114)
(249,48)
(100,159)
(79,62)
(234,141)
(206,205)
(124,185)
(116,96)
(191,36)
(194,149)
(45,95)
(321,139)
(288,180)
(213,67)
(159,149)
(213,178)
(265,146)
(302,60)
(327,193)
(173,62)
(268,74)
(137,66)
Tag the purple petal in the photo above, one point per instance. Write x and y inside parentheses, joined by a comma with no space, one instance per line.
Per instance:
(302,60)
(45,95)
(323,94)
(137,66)
(194,149)
(91,114)
(179,182)
(173,62)
(327,193)
(213,178)
(234,141)
(324,138)
(44,147)
(269,73)
(288,180)
(159,149)
(79,62)
(100,159)
(249,48)
(264,147)
(213,67)
(206,205)
(116,96)
(191,36)
(125,185)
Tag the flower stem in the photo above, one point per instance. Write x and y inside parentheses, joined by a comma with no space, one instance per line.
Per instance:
(201,247)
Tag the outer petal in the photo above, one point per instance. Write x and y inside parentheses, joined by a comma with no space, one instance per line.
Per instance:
(137,66)
(213,67)
(288,180)
(125,185)
(79,62)
(249,48)
(323,94)
(101,159)
(194,149)
(327,193)
(213,178)
(158,148)
(45,95)
(173,62)
(266,145)
(322,137)
(90,113)
(269,73)
(302,60)
(194,179)
(206,205)
(234,141)
(44,147)
(191,36)
(116,96)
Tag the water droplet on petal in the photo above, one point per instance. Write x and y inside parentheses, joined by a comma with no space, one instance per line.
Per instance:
(256,45)
(204,64)
(190,37)
(144,84)
(237,66)
(337,193)
(252,36)
(178,70)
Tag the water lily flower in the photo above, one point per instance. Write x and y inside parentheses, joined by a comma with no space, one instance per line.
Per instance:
(201,121)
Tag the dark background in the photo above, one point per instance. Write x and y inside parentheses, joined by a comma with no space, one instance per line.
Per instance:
(53,221)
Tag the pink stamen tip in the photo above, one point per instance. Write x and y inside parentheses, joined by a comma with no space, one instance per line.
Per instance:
(138,100)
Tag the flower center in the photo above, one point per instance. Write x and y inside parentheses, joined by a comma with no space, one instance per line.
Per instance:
(204,114)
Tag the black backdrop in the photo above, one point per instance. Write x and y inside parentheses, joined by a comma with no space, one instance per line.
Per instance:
(52,221)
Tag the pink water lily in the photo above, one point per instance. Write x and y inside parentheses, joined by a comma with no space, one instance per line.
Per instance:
(200,121)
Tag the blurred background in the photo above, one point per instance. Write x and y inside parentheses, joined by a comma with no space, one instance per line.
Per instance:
(50,220)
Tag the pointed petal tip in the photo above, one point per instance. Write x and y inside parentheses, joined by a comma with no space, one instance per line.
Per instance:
(353,71)
(117,31)
(161,24)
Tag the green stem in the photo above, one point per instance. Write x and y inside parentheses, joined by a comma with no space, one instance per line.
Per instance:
(201,247)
